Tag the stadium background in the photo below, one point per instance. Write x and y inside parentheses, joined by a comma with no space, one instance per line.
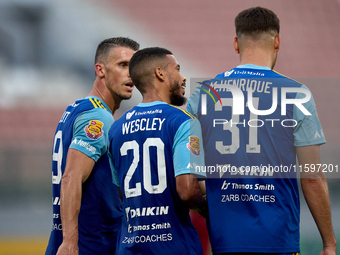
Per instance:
(46,62)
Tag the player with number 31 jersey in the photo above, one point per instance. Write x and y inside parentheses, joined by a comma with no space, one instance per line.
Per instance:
(253,132)
(254,183)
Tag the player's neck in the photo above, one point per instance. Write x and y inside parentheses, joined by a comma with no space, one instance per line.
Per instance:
(103,93)
(257,57)
(152,95)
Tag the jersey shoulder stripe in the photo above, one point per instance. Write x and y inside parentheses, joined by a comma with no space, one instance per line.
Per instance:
(184,111)
(286,77)
(97,103)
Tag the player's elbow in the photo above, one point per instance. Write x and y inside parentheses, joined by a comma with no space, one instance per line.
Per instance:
(190,196)
(188,190)
(65,179)
(68,180)
(314,183)
(185,194)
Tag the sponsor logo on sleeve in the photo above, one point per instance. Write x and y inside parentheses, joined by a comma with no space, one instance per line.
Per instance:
(94,129)
(194,145)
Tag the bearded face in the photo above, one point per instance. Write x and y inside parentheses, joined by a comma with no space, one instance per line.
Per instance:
(177,91)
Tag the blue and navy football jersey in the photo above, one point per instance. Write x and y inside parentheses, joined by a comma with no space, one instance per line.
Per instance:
(84,126)
(149,146)
(252,118)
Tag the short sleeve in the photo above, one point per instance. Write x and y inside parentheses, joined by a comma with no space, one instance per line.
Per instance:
(308,130)
(90,133)
(188,154)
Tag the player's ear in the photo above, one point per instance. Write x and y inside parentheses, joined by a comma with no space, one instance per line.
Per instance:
(159,72)
(236,45)
(100,70)
(277,41)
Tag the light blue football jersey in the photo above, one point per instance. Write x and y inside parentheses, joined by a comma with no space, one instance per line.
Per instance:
(84,126)
(150,145)
(252,118)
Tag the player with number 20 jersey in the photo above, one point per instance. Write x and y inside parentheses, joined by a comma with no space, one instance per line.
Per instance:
(149,146)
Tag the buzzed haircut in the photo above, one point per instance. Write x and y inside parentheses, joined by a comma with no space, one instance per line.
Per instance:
(143,63)
(105,46)
(256,21)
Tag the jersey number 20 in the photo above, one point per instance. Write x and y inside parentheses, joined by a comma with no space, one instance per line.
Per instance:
(161,168)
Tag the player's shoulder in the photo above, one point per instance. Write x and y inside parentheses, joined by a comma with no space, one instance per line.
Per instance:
(89,103)
(177,112)
(288,80)
(94,109)
(98,105)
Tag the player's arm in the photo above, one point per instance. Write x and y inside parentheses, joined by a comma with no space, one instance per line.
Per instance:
(187,154)
(202,186)
(78,168)
(313,184)
(190,193)
(315,190)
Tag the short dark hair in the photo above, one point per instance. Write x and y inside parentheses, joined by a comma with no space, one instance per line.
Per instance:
(105,46)
(143,63)
(255,21)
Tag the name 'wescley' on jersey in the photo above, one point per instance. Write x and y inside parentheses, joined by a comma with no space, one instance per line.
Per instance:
(143,124)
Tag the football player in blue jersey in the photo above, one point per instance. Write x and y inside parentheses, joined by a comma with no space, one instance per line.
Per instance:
(87,209)
(252,133)
(154,151)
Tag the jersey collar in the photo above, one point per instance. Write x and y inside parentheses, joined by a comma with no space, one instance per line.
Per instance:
(151,104)
(251,66)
